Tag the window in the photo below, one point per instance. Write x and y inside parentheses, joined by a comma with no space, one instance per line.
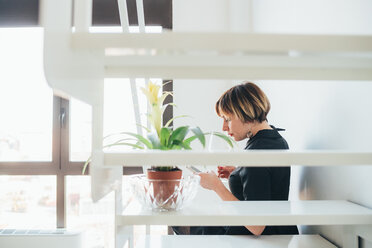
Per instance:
(42,154)
(27,202)
(25,129)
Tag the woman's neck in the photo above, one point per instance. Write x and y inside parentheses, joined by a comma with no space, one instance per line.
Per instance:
(260,126)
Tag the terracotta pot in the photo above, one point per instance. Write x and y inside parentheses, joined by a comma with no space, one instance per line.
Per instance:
(164,175)
(164,184)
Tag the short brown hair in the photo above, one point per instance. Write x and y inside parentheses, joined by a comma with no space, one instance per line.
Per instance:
(246,101)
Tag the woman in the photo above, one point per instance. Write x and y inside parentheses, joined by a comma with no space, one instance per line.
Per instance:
(244,109)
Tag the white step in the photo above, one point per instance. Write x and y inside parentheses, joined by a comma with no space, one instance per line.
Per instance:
(252,213)
(274,67)
(239,158)
(224,41)
(24,238)
(270,241)
(231,55)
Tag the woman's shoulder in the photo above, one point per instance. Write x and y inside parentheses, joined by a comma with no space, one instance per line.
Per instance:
(267,139)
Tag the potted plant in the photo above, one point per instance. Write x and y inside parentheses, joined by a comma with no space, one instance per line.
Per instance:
(163,138)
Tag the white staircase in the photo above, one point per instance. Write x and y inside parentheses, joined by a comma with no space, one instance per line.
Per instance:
(76,63)
(25,238)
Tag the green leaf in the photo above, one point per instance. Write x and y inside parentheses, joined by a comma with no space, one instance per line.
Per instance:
(190,139)
(164,136)
(199,134)
(186,146)
(176,117)
(224,137)
(163,96)
(163,108)
(86,165)
(154,140)
(147,129)
(124,144)
(168,82)
(140,138)
(162,168)
(121,140)
(179,134)
(176,147)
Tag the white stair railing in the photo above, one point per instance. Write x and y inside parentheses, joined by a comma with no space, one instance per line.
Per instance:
(76,65)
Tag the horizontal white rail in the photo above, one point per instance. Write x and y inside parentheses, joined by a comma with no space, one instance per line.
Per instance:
(253,67)
(225,41)
(238,213)
(231,55)
(265,241)
(251,61)
(239,158)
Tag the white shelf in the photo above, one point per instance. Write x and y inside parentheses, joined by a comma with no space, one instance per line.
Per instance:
(269,241)
(273,67)
(231,55)
(224,41)
(252,213)
(239,158)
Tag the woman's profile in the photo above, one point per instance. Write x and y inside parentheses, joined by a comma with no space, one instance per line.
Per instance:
(244,109)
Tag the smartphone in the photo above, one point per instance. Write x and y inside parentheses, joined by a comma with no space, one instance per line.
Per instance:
(193,169)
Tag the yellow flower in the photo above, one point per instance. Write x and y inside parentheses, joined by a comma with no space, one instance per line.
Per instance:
(152,93)
(155,115)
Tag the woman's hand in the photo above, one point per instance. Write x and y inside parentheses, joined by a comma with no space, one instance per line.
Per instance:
(209,180)
(225,171)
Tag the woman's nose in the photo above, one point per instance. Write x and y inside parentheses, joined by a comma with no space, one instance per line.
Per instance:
(225,127)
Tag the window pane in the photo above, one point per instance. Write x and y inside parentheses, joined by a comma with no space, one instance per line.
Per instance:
(80,130)
(118,107)
(119,114)
(26,102)
(28,202)
(95,219)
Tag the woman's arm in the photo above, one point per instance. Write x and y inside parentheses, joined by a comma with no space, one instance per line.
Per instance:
(212,182)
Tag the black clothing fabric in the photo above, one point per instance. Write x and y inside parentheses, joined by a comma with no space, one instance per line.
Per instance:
(258,184)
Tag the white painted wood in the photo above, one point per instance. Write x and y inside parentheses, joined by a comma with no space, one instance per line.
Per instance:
(123,14)
(225,41)
(137,114)
(239,213)
(238,67)
(141,16)
(70,73)
(249,61)
(350,238)
(240,15)
(75,65)
(82,15)
(240,158)
(78,74)
(269,241)
(351,234)
(234,73)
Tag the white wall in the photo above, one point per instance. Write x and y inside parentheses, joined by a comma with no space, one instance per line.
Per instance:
(326,115)
(316,114)
(198,97)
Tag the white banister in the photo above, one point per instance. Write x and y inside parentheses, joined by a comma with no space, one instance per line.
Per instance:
(141,16)
(123,14)
(83,15)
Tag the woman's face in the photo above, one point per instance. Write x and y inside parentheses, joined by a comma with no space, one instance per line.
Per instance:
(235,127)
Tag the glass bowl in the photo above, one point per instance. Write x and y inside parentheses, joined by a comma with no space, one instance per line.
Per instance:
(164,195)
